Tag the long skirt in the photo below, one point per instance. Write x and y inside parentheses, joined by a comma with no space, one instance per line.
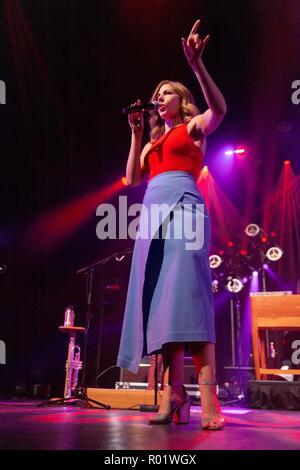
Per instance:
(169,296)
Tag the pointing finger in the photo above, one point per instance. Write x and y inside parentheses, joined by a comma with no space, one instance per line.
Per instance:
(195,27)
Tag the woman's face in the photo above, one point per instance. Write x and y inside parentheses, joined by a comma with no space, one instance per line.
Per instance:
(169,102)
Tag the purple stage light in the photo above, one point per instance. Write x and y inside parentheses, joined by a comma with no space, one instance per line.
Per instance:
(240,152)
(255,273)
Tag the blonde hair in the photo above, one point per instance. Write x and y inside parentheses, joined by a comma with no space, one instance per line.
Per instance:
(188,109)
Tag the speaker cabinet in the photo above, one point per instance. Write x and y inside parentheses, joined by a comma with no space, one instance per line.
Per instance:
(142,375)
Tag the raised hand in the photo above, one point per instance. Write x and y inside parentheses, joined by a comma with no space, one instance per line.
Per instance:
(193,46)
(136,121)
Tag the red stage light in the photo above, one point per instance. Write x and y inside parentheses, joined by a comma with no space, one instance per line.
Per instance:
(124,181)
(230,244)
(264,239)
(243,252)
(240,150)
(287,162)
(273,234)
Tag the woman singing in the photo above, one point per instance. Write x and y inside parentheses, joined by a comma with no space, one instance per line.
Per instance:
(169,300)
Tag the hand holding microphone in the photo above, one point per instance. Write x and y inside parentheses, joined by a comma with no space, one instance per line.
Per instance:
(136,118)
(135,115)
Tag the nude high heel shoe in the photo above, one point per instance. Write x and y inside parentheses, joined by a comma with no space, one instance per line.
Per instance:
(216,424)
(210,423)
(179,411)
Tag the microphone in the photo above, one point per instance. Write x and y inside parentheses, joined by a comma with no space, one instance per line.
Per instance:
(135,108)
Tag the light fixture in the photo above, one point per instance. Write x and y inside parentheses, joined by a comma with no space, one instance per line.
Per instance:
(3,268)
(215,285)
(274,253)
(215,261)
(234,284)
(252,230)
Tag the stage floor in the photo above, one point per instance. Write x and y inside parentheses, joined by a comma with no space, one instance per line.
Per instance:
(25,426)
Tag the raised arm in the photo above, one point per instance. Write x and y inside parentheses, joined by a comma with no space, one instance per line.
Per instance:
(193,48)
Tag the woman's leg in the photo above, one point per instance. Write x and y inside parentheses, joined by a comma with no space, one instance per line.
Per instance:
(173,359)
(175,403)
(204,360)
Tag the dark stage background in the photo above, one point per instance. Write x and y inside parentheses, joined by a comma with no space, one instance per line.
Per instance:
(69,67)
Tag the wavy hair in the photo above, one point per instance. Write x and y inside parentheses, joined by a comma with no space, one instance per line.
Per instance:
(188,109)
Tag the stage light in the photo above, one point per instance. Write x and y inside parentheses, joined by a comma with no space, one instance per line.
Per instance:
(205,170)
(239,151)
(264,239)
(287,162)
(252,230)
(3,268)
(243,252)
(234,284)
(124,181)
(274,253)
(245,280)
(230,244)
(255,273)
(215,261)
(215,285)
(265,266)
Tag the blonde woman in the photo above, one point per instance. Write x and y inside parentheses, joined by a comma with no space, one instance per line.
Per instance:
(169,300)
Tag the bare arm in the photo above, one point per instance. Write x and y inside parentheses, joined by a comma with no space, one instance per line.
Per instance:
(193,48)
(135,168)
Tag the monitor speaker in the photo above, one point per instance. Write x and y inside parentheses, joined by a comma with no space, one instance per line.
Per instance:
(142,375)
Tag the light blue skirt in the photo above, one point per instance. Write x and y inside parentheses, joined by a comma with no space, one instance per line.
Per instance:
(169,296)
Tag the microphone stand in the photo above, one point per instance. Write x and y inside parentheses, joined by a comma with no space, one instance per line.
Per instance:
(80,392)
(154,407)
(89,272)
(79,395)
(236,346)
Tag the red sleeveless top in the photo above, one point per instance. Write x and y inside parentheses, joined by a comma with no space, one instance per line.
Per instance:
(174,151)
